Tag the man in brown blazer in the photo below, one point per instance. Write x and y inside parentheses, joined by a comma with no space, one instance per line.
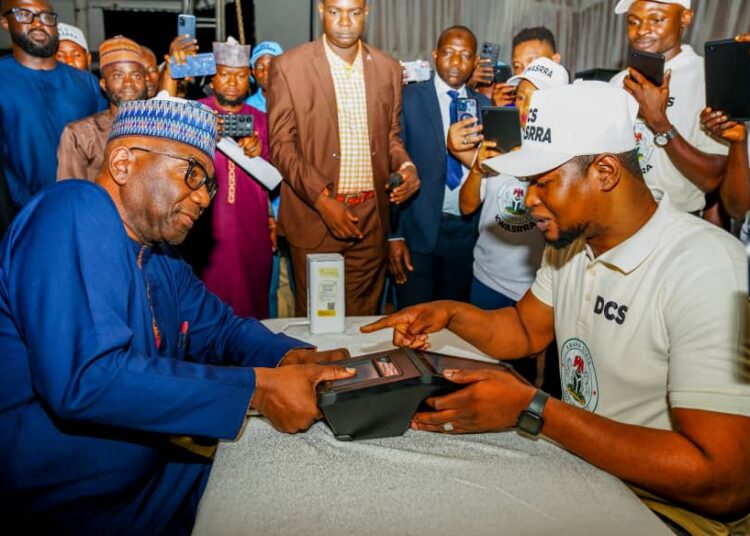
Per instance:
(334,108)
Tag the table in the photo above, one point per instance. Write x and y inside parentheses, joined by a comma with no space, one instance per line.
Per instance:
(420,483)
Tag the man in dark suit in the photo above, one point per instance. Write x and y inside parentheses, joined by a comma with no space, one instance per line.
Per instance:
(431,253)
(334,108)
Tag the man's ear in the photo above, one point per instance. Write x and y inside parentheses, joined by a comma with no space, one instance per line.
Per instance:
(686,19)
(556,57)
(120,165)
(606,171)
(103,84)
(5,24)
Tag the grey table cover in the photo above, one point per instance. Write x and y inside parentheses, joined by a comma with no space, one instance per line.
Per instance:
(420,483)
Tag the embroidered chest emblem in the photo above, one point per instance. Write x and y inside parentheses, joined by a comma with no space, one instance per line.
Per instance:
(580,386)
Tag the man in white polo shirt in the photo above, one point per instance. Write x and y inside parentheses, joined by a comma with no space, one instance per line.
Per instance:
(644,301)
(676,154)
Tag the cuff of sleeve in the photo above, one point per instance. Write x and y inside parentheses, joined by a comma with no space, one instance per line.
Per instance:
(541,294)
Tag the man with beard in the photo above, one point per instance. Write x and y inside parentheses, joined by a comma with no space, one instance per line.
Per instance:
(38,97)
(231,247)
(82,142)
(645,303)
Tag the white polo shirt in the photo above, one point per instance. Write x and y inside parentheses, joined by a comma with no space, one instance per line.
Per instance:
(687,98)
(653,322)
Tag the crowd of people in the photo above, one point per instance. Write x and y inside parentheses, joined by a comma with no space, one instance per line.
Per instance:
(597,258)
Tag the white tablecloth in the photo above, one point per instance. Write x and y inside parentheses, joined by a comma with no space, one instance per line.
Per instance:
(420,483)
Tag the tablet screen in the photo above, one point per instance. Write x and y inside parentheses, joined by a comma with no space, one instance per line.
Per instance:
(503,126)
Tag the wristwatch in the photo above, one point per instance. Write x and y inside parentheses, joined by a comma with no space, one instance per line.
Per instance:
(661,140)
(530,420)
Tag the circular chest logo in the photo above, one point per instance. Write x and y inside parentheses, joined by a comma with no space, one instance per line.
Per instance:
(644,140)
(580,387)
(512,214)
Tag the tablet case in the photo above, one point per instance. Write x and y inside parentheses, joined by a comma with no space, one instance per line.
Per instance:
(503,126)
(649,64)
(727,65)
(389,387)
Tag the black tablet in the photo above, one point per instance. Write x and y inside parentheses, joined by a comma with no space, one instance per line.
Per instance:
(388,389)
(728,78)
(649,64)
(503,126)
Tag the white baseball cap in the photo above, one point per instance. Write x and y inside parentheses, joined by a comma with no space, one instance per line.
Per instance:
(624,5)
(543,73)
(68,32)
(583,118)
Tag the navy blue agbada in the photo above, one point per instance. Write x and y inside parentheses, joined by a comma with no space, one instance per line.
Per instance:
(87,400)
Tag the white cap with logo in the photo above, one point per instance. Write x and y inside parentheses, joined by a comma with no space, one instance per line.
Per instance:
(583,118)
(543,73)
(623,6)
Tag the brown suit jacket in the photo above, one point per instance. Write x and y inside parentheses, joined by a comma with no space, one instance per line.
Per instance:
(304,133)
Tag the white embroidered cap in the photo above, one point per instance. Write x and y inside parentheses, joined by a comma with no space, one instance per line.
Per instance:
(543,73)
(623,6)
(583,118)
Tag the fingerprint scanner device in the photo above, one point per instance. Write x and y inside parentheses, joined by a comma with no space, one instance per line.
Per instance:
(325,293)
(389,387)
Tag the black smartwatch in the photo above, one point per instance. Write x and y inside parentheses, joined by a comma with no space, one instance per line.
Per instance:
(530,420)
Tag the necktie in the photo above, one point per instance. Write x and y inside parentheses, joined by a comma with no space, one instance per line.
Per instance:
(453,171)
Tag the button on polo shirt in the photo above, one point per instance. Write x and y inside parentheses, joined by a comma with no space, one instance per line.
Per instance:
(651,323)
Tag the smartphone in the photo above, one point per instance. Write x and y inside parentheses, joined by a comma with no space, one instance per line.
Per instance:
(503,126)
(489,54)
(186,25)
(236,125)
(466,108)
(649,64)
(727,65)
(490,51)
(416,71)
(199,65)
(502,72)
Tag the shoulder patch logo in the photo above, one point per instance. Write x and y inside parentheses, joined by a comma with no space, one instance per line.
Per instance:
(512,214)
(580,387)
(644,140)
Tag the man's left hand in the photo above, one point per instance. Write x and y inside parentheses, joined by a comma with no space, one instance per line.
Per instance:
(310,356)
(491,401)
(651,99)
(407,188)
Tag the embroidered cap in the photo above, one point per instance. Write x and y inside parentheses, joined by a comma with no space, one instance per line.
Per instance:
(119,49)
(68,32)
(543,73)
(265,48)
(583,118)
(623,6)
(232,53)
(169,118)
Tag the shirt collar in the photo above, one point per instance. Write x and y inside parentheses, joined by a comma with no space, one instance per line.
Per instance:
(442,88)
(630,254)
(335,61)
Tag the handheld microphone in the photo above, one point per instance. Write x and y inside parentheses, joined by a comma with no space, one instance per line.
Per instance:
(394,181)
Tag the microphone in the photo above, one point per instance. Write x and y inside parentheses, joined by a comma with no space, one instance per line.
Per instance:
(394,181)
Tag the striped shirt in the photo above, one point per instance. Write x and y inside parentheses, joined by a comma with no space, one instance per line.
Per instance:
(355,172)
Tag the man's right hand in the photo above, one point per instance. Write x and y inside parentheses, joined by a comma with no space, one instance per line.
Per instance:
(337,218)
(503,94)
(411,326)
(463,137)
(482,75)
(398,259)
(286,395)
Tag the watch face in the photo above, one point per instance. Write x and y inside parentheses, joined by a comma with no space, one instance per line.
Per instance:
(661,140)
(530,423)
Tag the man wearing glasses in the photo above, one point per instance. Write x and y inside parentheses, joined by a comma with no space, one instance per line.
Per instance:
(110,345)
(38,97)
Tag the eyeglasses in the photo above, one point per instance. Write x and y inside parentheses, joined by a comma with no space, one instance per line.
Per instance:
(25,16)
(196,175)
